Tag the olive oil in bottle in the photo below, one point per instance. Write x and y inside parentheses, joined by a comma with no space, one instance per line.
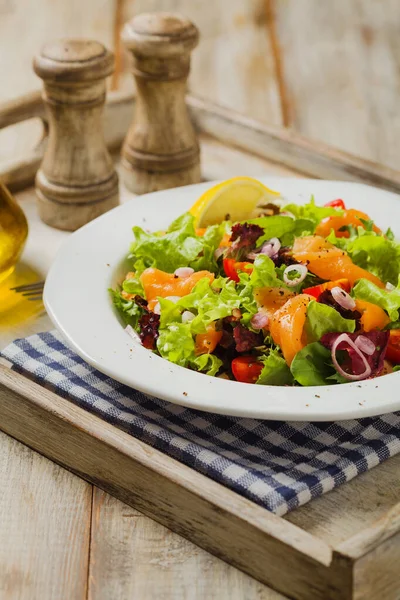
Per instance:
(13,232)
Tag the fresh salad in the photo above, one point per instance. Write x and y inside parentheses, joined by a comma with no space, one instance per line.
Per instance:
(294,295)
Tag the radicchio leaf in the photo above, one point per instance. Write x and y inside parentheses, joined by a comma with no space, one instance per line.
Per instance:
(142,302)
(352,362)
(149,324)
(245,339)
(244,237)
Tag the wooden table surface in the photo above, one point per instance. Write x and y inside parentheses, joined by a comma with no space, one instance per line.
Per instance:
(64,539)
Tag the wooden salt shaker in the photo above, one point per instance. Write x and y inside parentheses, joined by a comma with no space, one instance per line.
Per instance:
(161,149)
(77,180)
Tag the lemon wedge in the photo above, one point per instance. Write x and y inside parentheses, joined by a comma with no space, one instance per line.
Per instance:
(235,200)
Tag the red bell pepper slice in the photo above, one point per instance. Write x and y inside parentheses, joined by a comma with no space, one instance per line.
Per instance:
(393,349)
(231,268)
(336,204)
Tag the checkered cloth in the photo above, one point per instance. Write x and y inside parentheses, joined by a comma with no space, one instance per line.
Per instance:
(276,464)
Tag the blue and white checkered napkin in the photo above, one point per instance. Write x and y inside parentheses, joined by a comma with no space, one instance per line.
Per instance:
(278,465)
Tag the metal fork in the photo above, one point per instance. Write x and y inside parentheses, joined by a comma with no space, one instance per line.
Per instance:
(32,291)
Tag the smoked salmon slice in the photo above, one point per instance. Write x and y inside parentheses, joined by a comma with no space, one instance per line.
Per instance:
(350,216)
(159,283)
(287,326)
(272,298)
(329,262)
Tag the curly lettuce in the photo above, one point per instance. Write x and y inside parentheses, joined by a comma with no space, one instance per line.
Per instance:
(388,300)
(175,343)
(311,212)
(374,252)
(178,247)
(128,309)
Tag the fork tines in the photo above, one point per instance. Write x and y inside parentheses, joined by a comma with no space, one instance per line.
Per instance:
(39,285)
(31,291)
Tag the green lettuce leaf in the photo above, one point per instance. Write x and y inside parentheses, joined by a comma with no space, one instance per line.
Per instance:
(133,286)
(313,365)
(210,241)
(282,227)
(323,319)
(339,242)
(264,273)
(207,363)
(128,309)
(371,251)
(176,343)
(312,212)
(389,234)
(389,301)
(179,247)
(300,227)
(395,325)
(275,370)
(210,302)
(138,267)
(169,312)
(274,226)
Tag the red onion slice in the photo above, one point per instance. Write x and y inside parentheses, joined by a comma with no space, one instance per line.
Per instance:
(271,247)
(302,273)
(343,298)
(259,320)
(184,272)
(345,338)
(390,287)
(365,345)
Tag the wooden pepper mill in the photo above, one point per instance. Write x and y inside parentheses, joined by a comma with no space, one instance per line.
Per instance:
(161,149)
(77,180)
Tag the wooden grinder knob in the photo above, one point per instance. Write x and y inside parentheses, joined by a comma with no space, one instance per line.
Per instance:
(161,149)
(77,180)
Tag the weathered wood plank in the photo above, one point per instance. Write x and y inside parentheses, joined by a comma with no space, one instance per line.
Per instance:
(287,148)
(233,65)
(48,20)
(351,508)
(375,555)
(44,527)
(370,538)
(276,145)
(341,69)
(222,162)
(134,557)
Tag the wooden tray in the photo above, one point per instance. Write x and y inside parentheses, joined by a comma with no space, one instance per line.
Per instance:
(267,547)
(275,550)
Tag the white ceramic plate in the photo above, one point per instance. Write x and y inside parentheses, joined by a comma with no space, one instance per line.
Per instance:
(91,261)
